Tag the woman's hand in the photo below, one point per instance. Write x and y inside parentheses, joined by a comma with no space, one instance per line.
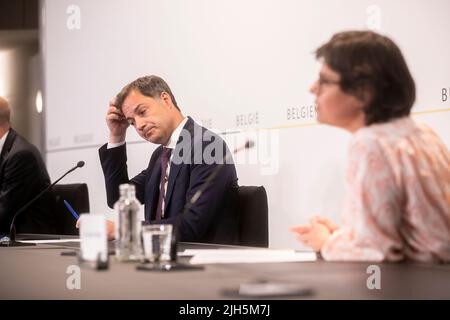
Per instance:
(316,233)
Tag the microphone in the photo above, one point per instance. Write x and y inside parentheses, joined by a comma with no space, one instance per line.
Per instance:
(248,145)
(12,230)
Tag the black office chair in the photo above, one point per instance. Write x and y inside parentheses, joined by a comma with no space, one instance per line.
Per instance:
(77,195)
(253,216)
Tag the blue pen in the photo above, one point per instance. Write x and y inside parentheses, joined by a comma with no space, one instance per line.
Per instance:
(71,209)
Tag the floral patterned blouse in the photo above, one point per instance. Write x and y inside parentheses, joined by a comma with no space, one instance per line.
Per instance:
(397,202)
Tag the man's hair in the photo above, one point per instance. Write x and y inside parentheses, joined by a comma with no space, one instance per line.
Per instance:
(371,63)
(150,86)
(5,112)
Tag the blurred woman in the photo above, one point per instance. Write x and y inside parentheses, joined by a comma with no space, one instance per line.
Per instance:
(397,204)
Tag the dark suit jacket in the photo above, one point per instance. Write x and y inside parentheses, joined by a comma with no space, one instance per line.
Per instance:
(22,176)
(213,218)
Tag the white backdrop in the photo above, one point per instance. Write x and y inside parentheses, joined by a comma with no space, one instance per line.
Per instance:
(241,67)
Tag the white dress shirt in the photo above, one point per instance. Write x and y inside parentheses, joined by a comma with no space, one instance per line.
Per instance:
(2,140)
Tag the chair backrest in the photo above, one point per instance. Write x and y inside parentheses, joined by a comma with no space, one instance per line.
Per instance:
(78,197)
(253,216)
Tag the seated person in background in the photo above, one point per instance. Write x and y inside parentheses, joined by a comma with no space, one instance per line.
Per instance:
(22,176)
(397,205)
(177,168)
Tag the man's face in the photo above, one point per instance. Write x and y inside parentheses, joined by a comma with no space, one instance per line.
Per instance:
(152,118)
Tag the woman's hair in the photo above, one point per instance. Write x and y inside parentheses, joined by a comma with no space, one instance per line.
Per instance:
(371,65)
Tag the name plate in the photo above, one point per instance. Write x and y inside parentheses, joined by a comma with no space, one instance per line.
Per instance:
(93,237)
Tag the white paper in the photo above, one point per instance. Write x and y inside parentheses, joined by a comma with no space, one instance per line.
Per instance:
(93,237)
(206,256)
(49,241)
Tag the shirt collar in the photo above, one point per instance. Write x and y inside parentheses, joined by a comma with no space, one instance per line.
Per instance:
(176,134)
(2,140)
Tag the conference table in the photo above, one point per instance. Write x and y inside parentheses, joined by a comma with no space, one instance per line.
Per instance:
(42,272)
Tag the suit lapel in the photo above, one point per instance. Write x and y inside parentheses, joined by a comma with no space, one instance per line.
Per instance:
(178,152)
(152,189)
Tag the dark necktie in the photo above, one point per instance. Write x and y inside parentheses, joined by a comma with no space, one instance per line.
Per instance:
(165,157)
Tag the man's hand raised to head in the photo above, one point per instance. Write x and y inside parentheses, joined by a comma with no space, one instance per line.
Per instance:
(117,123)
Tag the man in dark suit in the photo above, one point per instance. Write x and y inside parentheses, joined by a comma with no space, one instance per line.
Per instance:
(22,176)
(186,157)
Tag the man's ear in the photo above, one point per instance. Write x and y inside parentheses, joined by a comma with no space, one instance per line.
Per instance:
(166,99)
